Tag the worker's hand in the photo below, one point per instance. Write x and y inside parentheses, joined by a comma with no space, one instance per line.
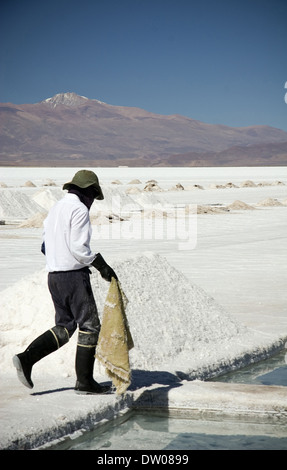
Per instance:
(105,270)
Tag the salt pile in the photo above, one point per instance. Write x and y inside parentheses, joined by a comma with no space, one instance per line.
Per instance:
(175,325)
(269,202)
(151,186)
(46,198)
(240,205)
(17,204)
(135,181)
(115,201)
(133,190)
(35,221)
(177,187)
(29,184)
(248,184)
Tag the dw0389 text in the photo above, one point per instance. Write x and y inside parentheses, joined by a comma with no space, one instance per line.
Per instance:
(163,459)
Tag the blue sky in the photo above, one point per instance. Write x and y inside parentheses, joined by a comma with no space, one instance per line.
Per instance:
(217,61)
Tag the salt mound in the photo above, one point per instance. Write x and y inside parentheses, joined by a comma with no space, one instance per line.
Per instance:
(177,187)
(135,181)
(30,184)
(16,204)
(133,190)
(278,183)
(248,184)
(36,221)
(152,187)
(175,325)
(269,202)
(239,205)
(264,183)
(48,197)
(151,181)
(115,201)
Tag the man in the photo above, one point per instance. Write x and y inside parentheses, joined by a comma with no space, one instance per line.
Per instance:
(67,233)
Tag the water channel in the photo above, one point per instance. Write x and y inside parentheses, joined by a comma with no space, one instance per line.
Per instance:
(159,430)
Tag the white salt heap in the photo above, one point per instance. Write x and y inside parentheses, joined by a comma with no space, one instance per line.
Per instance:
(16,204)
(197,337)
(46,198)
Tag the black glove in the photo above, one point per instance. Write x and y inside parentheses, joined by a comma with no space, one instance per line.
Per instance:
(105,270)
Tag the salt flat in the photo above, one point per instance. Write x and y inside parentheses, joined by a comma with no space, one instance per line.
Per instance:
(245,249)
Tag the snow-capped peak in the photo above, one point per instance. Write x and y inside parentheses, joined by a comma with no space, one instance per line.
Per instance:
(67,99)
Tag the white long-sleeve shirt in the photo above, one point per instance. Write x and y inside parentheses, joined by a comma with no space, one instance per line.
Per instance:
(67,234)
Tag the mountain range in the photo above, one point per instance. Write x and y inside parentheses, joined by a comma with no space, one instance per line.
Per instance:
(72,130)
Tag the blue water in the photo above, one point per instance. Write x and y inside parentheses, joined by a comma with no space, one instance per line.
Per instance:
(156,430)
(152,431)
(272,371)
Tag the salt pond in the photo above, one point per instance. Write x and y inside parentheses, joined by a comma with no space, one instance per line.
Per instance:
(155,431)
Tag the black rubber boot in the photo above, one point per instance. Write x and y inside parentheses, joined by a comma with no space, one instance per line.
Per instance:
(85,359)
(45,344)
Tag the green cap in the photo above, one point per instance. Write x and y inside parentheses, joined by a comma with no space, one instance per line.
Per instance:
(84,179)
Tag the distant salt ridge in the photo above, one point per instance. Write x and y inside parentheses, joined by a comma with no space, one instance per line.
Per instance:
(24,203)
(175,325)
(21,204)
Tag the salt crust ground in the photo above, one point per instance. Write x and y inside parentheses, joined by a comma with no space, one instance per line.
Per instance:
(204,337)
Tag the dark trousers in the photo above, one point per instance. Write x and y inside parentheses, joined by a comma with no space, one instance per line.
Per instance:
(74,301)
